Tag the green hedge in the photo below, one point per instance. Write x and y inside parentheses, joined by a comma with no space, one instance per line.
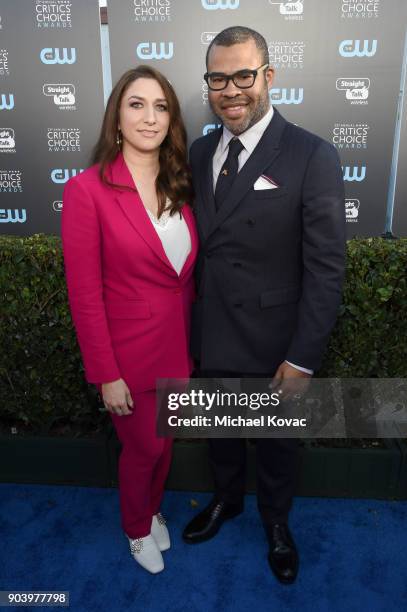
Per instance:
(42,385)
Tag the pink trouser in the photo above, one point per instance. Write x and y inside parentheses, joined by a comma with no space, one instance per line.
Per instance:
(143,465)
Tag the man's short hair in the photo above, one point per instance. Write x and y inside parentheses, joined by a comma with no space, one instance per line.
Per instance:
(239,34)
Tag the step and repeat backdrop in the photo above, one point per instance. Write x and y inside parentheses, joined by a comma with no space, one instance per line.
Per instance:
(337,73)
(51,101)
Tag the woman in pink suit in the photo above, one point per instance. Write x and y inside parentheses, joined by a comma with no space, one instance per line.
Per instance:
(130,244)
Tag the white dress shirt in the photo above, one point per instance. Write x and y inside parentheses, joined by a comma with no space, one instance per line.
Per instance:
(175,238)
(249,139)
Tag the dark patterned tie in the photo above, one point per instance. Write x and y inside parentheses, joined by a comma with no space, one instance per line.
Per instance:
(228,172)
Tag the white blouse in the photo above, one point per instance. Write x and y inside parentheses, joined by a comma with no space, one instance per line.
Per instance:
(175,238)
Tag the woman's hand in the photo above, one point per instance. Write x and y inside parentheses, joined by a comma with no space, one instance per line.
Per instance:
(116,397)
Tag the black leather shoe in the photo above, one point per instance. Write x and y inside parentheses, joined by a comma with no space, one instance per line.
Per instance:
(283,555)
(208,522)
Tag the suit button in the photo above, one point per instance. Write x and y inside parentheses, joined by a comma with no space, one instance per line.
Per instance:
(237,264)
(250,222)
(208,255)
(238,305)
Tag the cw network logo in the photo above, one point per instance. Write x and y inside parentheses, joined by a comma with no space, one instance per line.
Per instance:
(281,96)
(62,175)
(210,127)
(6,101)
(152,50)
(58,56)
(356,173)
(13,215)
(214,5)
(353,48)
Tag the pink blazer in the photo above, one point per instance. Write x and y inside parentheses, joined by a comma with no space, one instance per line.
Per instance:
(130,308)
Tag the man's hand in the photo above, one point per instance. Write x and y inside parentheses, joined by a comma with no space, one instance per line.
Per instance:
(289,382)
(116,397)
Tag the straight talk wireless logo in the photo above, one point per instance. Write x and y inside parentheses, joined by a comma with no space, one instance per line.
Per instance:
(291,10)
(62,94)
(7,140)
(356,90)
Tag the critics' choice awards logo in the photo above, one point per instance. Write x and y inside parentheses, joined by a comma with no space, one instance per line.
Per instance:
(215,5)
(286,54)
(13,215)
(4,69)
(7,140)
(357,48)
(350,135)
(53,13)
(57,205)
(1,23)
(11,181)
(154,50)
(6,102)
(360,9)
(63,139)
(58,55)
(151,10)
(59,176)
(352,210)
(292,11)
(356,90)
(354,173)
(62,94)
(286,96)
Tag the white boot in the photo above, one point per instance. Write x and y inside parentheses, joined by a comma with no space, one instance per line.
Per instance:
(159,532)
(145,551)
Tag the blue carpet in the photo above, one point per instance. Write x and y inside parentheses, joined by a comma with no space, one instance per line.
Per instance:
(353,555)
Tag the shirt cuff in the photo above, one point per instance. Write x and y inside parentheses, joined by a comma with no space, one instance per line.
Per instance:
(300,368)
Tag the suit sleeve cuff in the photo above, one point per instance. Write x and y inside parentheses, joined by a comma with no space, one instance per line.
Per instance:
(300,368)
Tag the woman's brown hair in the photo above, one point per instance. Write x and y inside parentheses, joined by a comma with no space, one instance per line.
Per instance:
(174,177)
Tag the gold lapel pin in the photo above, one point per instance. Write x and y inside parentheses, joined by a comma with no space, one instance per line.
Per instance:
(224,172)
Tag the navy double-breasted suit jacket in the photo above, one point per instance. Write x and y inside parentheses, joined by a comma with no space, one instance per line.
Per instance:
(271,264)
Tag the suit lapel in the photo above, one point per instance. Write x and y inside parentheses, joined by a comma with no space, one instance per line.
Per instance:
(188,216)
(266,151)
(206,183)
(134,209)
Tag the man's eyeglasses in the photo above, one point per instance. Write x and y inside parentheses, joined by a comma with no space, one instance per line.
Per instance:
(243,79)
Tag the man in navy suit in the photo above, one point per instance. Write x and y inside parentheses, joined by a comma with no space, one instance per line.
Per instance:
(271,219)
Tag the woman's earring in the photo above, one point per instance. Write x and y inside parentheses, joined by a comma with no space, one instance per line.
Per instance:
(119,139)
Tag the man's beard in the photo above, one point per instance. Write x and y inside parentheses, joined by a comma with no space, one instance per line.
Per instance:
(257,110)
